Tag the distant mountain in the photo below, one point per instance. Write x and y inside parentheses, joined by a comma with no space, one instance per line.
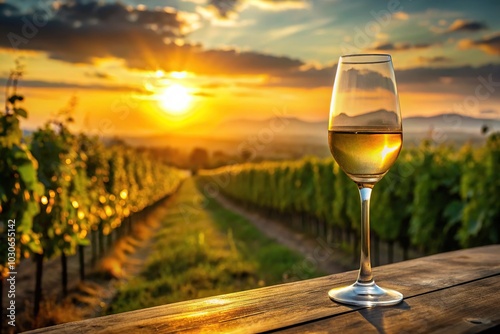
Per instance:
(295,127)
(379,117)
(449,123)
(294,137)
(275,128)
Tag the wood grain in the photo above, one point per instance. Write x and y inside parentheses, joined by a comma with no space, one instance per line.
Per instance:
(305,304)
(467,308)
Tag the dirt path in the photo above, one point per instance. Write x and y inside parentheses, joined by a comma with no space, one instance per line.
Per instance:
(317,252)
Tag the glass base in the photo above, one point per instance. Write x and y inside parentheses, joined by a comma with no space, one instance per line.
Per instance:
(360,294)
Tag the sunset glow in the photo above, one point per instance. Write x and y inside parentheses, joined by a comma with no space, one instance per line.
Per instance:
(230,60)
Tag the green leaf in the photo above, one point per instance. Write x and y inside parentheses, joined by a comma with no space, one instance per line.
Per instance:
(21,112)
(474,227)
(38,188)
(27,173)
(84,242)
(35,248)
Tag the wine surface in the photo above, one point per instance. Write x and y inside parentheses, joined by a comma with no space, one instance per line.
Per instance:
(365,156)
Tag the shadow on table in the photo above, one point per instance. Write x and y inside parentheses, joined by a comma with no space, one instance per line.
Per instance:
(377,315)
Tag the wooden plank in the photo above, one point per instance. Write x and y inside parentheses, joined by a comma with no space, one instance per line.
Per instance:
(290,304)
(467,308)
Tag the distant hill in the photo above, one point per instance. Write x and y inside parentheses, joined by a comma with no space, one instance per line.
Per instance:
(282,128)
(294,137)
(377,117)
(450,123)
(295,127)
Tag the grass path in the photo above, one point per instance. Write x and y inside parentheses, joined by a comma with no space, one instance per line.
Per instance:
(203,249)
(328,258)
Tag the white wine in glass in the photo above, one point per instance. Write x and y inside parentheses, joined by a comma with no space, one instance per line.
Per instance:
(365,137)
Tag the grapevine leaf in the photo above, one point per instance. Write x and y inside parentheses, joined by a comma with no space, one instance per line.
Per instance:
(27,173)
(35,247)
(21,112)
(84,242)
(474,227)
(453,212)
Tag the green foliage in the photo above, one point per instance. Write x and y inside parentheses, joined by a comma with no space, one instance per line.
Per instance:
(63,185)
(434,198)
(20,190)
(90,187)
(54,148)
(479,188)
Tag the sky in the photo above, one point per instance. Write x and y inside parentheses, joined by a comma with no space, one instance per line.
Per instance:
(152,67)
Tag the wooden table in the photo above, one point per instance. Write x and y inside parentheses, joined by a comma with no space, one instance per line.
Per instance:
(455,292)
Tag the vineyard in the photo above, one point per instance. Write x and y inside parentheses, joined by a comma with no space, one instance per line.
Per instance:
(434,198)
(62,191)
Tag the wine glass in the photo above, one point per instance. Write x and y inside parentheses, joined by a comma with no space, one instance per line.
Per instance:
(365,137)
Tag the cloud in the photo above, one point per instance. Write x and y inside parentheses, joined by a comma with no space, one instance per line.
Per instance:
(229,62)
(314,77)
(203,94)
(490,45)
(230,9)
(7,9)
(367,80)
(227,19)
(278,5)
(399,46)
(402,16)
(98,75)
(225,9)
(468,26)
(117,31)
(71,85)
(465,73)
(310,77)
(148,40)
(163,21)
(80,31)
(454,80)
(433,60)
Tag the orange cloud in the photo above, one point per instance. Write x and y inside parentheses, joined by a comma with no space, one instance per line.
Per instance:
(402,16)
(399,46)
(432,60)
(490,45)
(465,25)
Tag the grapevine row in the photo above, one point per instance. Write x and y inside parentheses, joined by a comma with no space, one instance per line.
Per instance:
(434,198)
(64,191)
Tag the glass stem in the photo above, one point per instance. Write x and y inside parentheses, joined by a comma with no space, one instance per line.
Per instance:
(365,269)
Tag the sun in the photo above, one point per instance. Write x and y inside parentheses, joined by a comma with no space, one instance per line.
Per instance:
(175,99)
